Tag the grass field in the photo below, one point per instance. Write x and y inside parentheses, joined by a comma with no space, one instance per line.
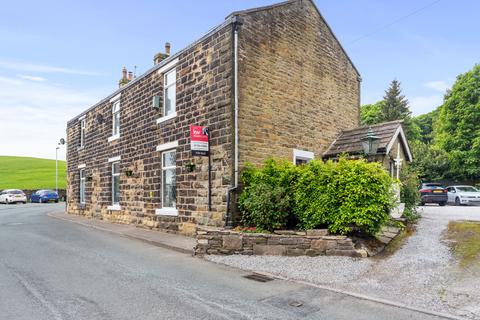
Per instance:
(30,173)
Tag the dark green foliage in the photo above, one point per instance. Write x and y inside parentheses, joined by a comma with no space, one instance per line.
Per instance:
(267,197)
(395,105)
(430,162)
(457,130)
(344,196)
(409,193)
(371,113)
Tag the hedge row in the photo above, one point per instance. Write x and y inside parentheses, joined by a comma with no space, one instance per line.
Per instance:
(343,196)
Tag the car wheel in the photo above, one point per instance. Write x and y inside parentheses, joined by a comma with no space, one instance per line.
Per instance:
(56,201)
(422,203)
(457,201)
(441,204)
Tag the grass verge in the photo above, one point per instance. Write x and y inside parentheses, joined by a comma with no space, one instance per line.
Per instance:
(464,239)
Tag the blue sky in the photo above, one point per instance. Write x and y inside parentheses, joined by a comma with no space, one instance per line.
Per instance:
(59,57)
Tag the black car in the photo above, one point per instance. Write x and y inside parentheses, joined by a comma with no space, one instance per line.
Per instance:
(433,193)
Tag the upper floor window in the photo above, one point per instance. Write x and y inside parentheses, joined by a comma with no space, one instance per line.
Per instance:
(116,118)
(169,92)
(83,124)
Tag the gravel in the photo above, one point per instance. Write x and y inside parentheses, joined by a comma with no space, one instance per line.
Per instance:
(423,273)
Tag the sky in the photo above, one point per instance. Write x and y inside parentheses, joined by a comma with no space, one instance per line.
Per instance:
(58,58)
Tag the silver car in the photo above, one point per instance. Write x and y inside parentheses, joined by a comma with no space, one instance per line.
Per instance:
(463,195)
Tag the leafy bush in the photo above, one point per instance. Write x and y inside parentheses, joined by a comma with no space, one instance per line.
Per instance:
(345,196)
(267,198)
(409,193)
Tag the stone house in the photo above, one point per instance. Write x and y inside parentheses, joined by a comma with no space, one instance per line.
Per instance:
(393,149)
(270,81)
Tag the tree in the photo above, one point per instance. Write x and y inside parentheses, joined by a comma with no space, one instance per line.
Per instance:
(395,105)
(425,125)
(457,130)
(371,113)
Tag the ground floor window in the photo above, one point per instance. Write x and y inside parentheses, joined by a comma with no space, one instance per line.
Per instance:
(302,157)
(169,180)
(82,186)
(116,182)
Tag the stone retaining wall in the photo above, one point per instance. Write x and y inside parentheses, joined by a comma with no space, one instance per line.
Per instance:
(283,243)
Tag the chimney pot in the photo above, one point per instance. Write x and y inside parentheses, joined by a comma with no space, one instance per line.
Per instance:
(130,75)
(167,48)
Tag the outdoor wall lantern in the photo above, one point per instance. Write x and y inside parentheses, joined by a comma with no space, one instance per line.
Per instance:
(370,143)
(89,178)
(128,173)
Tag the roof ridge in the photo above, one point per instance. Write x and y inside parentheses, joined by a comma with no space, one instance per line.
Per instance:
(275,5)
(375,125)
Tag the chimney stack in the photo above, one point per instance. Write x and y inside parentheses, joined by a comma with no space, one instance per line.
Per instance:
(159,57)
(124,80)
(130,75)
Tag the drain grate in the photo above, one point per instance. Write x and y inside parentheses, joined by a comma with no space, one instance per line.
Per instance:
(258,277)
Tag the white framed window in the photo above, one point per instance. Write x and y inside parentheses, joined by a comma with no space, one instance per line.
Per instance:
(302,156)
(169,183)
(116,119)
(170,92)
(82,186)
(83,124)
(116,183)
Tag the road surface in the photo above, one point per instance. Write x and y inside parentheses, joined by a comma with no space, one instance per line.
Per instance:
(54,269)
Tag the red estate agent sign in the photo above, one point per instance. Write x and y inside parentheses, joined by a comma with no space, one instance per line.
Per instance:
(199,140)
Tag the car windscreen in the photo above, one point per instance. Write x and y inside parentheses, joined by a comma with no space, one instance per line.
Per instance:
(467,189)
(15,192)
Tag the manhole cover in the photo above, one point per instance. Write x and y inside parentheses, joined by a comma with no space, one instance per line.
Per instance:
(258,277)
(295,303)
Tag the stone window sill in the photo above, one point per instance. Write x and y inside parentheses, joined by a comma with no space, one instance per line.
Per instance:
(163,119)
(166,212)
(112,138)
(115,207)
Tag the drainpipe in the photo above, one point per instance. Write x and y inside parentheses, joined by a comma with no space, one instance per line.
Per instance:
(237,22)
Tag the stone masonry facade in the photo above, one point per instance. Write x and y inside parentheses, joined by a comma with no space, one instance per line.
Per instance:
(297,89)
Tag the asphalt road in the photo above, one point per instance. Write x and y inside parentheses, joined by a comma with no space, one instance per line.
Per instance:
(53,269)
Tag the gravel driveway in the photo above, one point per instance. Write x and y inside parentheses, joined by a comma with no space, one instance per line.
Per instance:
(423,273)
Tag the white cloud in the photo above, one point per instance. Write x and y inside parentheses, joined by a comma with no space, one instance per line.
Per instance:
(425,104)
(32,67)
(33,78)
(440,86)
(33,116)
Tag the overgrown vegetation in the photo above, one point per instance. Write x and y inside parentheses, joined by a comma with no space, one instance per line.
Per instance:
(409,194)
(349,195)
(446,141)
(465,239)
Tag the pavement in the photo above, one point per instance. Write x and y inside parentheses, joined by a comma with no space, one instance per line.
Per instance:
(162,239)
(55,269)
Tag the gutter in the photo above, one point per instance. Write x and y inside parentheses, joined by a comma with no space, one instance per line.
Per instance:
(237,21)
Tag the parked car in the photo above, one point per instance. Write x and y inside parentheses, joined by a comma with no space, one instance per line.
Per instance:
(42,196)
(12,196)
(433,193)
(463,195)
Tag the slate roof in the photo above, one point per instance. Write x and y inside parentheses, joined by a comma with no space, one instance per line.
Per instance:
(349,141)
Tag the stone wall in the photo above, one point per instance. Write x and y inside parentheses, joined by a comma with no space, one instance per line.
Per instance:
(203,98)
(283,243)
(297,87)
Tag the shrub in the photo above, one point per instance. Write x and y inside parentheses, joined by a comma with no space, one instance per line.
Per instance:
(409,193)
(345,196)
(267,197)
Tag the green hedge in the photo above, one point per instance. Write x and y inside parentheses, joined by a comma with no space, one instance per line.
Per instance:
(342,196)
